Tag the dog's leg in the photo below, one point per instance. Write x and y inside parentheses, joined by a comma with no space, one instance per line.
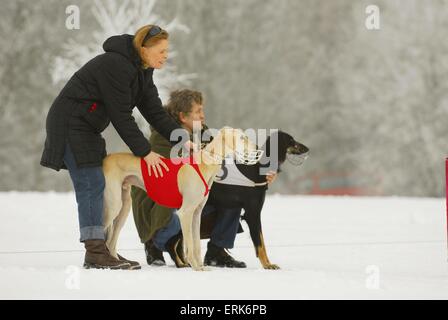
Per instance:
(191,187)
(197,235)
(120,220)
(252,215)
(263,256)
(108,232)
(260,248)
(186,213)
(191,234)
(112,205)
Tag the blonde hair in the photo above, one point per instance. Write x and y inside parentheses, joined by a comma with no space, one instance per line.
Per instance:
(140,36)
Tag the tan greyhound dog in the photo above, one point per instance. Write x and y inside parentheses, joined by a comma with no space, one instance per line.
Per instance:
(122,170)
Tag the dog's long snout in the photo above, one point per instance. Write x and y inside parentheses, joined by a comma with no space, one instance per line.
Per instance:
(297,154)
(303,149)
(298,149)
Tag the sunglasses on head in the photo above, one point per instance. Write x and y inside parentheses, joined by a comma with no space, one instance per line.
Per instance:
(153,31)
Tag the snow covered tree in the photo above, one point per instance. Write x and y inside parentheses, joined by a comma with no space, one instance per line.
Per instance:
(118,17)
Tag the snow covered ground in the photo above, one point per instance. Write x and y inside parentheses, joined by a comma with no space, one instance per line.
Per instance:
(327,247)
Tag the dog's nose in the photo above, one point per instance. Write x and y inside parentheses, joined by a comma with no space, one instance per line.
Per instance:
(302,148)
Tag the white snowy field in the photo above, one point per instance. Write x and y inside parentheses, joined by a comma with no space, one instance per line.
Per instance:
(327,247)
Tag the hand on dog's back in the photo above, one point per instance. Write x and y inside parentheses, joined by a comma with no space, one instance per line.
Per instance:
(155,163)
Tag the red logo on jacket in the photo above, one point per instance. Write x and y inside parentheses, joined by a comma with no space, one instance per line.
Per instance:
(93,107)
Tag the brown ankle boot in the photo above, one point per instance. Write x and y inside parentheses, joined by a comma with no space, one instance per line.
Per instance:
(98,257)
(134,264)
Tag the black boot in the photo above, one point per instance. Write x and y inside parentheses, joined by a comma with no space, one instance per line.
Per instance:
(154,257)
(174,247)
(218,257)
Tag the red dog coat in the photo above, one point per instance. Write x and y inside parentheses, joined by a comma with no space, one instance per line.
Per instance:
(164,190)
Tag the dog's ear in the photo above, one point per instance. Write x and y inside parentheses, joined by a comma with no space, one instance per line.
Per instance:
(283,144)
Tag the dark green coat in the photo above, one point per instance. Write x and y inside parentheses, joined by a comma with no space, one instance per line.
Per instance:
(148,215)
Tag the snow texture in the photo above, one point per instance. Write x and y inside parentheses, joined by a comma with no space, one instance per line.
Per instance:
(327,247)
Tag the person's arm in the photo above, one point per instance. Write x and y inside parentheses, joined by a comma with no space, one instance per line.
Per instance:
(159,144)
(271,176)
(114,78)
(152,110)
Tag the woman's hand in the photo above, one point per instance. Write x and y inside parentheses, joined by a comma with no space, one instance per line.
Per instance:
(271,176)
(155,163)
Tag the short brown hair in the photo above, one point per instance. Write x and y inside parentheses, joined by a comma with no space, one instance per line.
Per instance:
(182,101)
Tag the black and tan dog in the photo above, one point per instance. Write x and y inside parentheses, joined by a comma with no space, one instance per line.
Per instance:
(251,198)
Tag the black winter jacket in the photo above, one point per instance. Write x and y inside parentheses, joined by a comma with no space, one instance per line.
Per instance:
(104,90)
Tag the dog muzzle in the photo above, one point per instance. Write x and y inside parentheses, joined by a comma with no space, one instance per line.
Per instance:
(248,158)
(297,159)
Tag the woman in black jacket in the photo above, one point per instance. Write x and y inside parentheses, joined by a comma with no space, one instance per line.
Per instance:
(105,90)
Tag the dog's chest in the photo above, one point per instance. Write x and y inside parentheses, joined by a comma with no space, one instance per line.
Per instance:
(239,175)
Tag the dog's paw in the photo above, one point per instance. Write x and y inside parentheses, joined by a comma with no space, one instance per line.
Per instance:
(271,267)
(201,268)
